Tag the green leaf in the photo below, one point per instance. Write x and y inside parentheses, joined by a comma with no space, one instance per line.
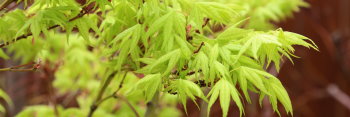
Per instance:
(171,58)
(226,91)
(2,109)
(186,88)
(278,92)
(149,85)
(3,54)
(4,96)
(213,56)
(255,77)
(158,24)
(217,11)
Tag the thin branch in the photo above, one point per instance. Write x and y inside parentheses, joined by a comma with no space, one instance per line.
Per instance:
(199,48)
(94,105)
(5,4)
(13,7)
(114,93)
(99,98)
(24,36)
(16,68)
(129,104)
(115,96)
(206,21)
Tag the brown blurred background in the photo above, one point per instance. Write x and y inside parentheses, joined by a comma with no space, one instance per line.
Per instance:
(318,82)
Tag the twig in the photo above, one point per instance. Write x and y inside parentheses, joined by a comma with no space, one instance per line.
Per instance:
(114,94)
(16,68)
(206,21)
(5,4)
(24,36)
(188,74)
(99,98)
(199,48)
(94,105)
(129,104)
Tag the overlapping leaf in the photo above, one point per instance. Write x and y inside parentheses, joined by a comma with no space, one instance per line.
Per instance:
(225,90)
(186,88)
(149,85)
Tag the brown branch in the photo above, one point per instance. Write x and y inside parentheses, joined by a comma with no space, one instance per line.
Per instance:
(206,21)
(5,4)
(16,68)
(199,48)
(49,72)
(24,36)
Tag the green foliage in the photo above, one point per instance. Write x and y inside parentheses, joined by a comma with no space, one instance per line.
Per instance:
(7,99)
(149,85)
(184,89)
(174,44)
(225,90)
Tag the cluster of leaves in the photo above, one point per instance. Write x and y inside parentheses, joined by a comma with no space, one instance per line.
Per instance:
(174,44)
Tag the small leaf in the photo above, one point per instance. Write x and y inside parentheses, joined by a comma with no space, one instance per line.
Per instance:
(149,85)
(226,91)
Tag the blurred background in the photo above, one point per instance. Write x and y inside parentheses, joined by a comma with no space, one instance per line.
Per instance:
(318,82)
